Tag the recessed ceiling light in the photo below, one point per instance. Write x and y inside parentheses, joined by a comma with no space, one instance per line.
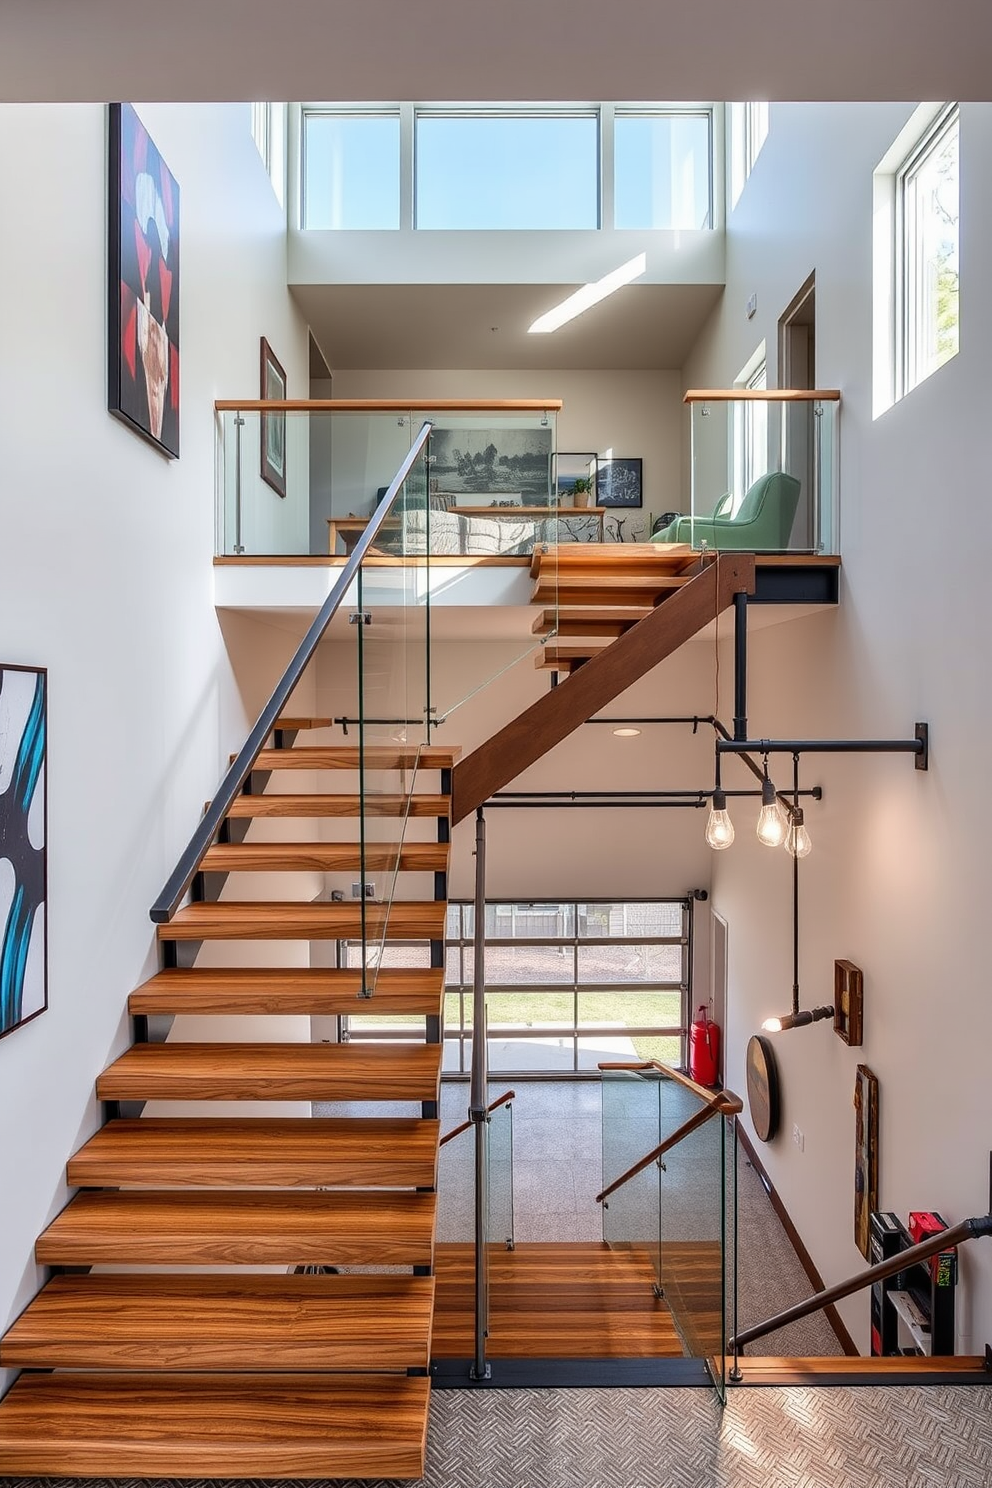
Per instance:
(626,733)
(589,295)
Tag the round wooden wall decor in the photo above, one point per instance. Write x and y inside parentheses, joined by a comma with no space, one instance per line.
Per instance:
(762,1087)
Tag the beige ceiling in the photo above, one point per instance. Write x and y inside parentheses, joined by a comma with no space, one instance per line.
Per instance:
(461,50)
(422,326)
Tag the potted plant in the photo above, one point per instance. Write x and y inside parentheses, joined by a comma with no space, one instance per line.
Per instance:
(581,490)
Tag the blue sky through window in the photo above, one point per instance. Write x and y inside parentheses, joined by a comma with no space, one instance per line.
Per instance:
(513,172)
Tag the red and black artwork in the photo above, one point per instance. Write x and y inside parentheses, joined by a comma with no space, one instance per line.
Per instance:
(143,343)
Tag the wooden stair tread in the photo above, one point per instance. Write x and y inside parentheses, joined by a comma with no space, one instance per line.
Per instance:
(301,990)
(605,621)
(351,756)
(908,1368)
(284,920)
(328,1072)
(569,558)
(565,658)
(248,1426)
(348,1228)
(259,1152)
(104,1321)
(639,591)
(321,804)
(326,857)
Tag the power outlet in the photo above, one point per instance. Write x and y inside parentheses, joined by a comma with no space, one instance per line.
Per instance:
(799,1137)
(356,891)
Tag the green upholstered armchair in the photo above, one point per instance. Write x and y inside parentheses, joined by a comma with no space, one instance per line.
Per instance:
(763,521)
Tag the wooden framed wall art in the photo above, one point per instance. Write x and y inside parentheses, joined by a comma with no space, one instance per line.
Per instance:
(865,1156)
(23,845)
(272,426)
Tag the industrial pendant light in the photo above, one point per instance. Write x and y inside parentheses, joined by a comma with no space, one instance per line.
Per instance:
(719,827)
(796,840)
(773,824)
(796,1020)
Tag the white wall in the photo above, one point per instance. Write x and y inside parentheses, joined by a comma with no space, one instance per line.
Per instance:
(106,579)
(626,413)
(896,881)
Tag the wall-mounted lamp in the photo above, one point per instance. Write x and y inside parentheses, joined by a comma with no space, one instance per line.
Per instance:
(796,1020)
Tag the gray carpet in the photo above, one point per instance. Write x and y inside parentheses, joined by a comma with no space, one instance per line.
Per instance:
(890,1437)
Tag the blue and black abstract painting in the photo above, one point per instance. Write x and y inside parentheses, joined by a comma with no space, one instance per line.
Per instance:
(23,831)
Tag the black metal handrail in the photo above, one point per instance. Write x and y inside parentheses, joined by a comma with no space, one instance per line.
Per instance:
(967,1229)
(179,880)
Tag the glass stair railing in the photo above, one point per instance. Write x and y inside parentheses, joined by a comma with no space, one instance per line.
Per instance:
(669,1170)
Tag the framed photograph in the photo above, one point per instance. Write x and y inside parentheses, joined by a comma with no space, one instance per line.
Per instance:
(272,426)
(23,845)
(491,464)
(143,287)
(618,483)
(576,481)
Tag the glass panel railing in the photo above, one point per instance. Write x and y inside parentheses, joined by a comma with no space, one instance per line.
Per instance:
(305,480)
(691,1230)
(764,472)
(679,1208)
(500,1130)
(390,631)
(493,496)
(631,1127)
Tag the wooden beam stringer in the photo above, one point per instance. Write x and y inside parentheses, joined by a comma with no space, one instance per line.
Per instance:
(602,678)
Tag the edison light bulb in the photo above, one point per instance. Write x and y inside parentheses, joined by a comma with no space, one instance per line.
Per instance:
(797,841)
(719,827)
(773,824)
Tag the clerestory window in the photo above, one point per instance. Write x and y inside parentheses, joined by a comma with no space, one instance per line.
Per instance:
(927,279)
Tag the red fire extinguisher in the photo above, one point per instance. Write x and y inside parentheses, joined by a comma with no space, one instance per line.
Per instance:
(704,1049)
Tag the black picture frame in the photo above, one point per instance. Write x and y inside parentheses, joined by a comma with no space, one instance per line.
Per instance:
(570,467)
(272,426)
(23,845)
(142,284)
(619,482)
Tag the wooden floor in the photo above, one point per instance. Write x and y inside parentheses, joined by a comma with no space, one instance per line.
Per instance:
(560,1301)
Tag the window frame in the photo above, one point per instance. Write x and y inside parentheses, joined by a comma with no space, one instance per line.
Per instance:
(591,112)
(319,111)
(570,943)
(645,111)
(603,114)
(907,279)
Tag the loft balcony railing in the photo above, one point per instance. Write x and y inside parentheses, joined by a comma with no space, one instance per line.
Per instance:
(303,478)
(764,472)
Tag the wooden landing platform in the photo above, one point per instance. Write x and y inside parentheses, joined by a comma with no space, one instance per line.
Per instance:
(562,1301)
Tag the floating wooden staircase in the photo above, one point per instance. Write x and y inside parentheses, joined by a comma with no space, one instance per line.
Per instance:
(616,611)
(134,1364)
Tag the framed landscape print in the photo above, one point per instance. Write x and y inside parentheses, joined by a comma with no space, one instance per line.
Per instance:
(272,426)
(618,483)
(23,845)
(493,464)
(143,288)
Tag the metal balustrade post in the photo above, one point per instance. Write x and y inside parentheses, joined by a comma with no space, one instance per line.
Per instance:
(477,1104)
